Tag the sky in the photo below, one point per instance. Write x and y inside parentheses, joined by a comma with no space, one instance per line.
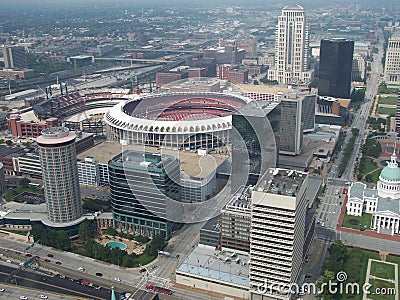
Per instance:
(147,3)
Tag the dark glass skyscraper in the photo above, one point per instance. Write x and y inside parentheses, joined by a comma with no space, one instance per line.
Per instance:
(336,60)
(138,182)
(250,137)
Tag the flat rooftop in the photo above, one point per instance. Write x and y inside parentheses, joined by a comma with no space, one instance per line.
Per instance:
(263,88)
(191,163)
(281,181)
(228,266)
(33,212)
(241,201)
(212,224)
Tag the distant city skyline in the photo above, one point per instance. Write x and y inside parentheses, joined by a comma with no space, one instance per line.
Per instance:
(215,3)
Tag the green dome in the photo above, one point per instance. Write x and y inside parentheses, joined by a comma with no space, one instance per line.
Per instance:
(390,173)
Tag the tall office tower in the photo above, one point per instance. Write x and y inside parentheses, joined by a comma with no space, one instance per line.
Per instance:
(336,61)
(251,136)
(292,123)
(392,63)
(277,232)
(138,183)
(14,57)
(60,174)
(308,113)
(291,47)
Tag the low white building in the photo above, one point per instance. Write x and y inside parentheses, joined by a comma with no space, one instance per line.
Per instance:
(383,202)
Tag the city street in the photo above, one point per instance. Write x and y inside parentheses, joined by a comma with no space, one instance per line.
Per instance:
(328,212)
(330,205)
(130,279)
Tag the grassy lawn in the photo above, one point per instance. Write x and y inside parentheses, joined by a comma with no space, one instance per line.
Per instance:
(381,289)
(19,190)
(394,259)
(388,100)
(356,269)
(369,166)
(382,270)
(387,111)
(375,175)
(144,259)
(359,223)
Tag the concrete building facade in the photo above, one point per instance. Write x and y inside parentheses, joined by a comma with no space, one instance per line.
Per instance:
(291,132)
(392,63)
(291,47)
(277,232)
(14,57)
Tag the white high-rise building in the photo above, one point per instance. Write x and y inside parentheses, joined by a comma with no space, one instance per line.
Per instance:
(392,63)
(291,48)
(277,233)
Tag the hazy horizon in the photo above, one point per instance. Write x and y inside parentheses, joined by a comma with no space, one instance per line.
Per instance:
(193,3)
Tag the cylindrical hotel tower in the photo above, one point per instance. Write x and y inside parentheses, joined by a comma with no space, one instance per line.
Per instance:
(60,174)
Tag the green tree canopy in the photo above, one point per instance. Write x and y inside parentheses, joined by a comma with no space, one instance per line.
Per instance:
(86,230)
(24,182)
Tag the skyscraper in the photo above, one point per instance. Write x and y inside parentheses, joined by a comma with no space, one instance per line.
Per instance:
(392,63)
(138,182)
(291,47)
(291,129)
(14,57)
(277,233)
(60,174)
(309,103)
(251,139)
(336,61)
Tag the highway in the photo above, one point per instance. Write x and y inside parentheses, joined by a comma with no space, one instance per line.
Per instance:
(44,283)
(130,279)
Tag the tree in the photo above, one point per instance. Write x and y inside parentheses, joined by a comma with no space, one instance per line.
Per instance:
(62,241)
(358,96)
(141,239)
(85,230)
(111,231)
(157,243)
(24,182)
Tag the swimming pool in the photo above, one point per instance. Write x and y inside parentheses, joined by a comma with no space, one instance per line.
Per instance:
(114,245)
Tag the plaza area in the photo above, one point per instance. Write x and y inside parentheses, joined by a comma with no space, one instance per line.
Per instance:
(383,279)
(132,247)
